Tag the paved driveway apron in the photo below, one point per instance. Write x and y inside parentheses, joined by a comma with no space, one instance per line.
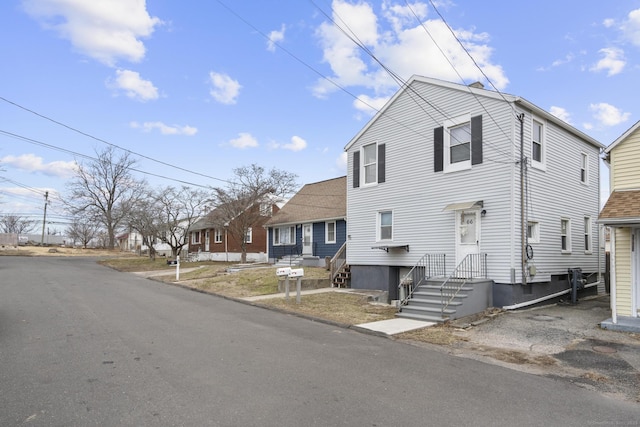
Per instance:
(81,344)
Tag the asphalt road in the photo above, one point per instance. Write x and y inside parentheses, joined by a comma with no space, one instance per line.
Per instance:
(83,345)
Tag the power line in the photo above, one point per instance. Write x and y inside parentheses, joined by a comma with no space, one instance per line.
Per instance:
(87,157)
(109,143)
(403,84)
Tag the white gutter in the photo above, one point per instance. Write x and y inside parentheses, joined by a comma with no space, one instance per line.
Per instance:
(544,298)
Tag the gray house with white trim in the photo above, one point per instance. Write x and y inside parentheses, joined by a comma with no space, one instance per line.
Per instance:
(436,178)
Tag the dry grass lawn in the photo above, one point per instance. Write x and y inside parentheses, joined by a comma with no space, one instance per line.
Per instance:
(348,309)
(240,284)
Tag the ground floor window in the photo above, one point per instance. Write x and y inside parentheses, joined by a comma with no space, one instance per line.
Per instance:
(284,235)
(330,232)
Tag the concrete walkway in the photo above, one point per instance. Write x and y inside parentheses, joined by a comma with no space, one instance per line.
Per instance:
(395,326)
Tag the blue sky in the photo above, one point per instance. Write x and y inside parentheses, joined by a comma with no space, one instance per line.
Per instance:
(209,86)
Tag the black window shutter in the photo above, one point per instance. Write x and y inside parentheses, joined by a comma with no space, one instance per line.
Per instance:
(356,169)
(476,140)
(438,145)
(381,163)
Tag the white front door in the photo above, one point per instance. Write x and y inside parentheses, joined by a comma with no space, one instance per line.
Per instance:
(307,239)
(206,241)
(467,233)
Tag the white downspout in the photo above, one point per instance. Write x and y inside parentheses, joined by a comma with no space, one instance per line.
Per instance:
(612,276)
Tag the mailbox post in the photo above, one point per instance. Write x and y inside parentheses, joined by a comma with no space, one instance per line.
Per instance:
(298,273)
(284,272)
(178,268)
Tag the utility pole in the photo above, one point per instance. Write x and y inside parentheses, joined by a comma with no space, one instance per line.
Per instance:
(44,220)
(523,226)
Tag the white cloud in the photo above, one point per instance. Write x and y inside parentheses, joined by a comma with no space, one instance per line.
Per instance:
(608,115)
(33,163)
(395,42)
(613,61)
(133,86)
(275,37)
(244,140)
(105,30)
(165,129)
(608,23)
(631,27)
(561,113)
(296,144)
(225,89)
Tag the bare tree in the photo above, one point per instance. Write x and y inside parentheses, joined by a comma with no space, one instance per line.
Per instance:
(16,224)
(239,204)
(179,208)
(145,218)
(105,191)
(82,231)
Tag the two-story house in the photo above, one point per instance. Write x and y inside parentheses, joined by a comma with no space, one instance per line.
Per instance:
(461,182)
(622,214)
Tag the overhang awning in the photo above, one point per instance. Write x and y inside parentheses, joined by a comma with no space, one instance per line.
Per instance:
(622,209)
(463,206)
(387,247)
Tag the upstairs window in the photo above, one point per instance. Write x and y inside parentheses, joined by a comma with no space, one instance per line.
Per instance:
(458,144)
(584,168)
(266,209)
(369,165)
(537,144)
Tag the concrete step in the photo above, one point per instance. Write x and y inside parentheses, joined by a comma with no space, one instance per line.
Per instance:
(423,317)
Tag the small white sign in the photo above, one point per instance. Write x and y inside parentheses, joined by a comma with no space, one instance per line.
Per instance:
(296,272)
(283,271)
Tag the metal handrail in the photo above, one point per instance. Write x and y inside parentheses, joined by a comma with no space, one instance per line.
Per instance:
(338,261)
(471,267)
(430,265)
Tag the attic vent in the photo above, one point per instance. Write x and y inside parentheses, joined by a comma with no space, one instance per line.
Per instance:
(477,85)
